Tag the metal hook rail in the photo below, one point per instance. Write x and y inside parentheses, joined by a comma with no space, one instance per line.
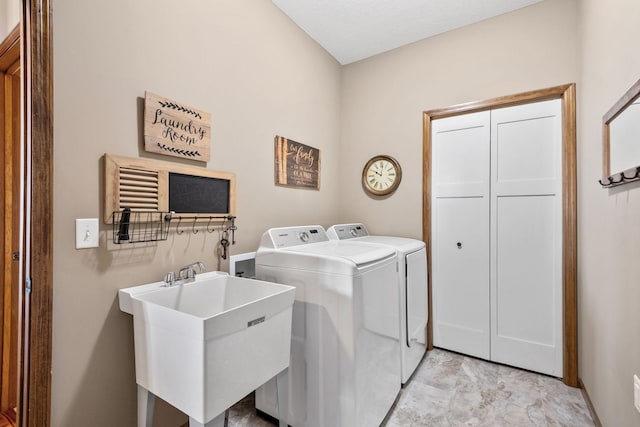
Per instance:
(210,225)
(228,225)
(620,178)
(151,226)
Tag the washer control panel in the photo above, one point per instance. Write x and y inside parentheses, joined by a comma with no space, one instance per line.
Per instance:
(293,236)
(347,231)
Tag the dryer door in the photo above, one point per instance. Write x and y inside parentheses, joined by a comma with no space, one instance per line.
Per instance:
(416,297)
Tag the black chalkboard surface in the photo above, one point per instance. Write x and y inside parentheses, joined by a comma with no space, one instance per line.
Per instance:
(198,194)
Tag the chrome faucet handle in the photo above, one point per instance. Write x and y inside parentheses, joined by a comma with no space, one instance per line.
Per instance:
(170,278)
(190,270)
(193,265)
(200,265)
(187,272)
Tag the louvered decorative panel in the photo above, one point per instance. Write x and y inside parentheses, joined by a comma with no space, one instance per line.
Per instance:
(138,189)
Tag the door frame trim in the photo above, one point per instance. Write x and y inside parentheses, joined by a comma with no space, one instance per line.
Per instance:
(567,93)
(37,45)
(11,357)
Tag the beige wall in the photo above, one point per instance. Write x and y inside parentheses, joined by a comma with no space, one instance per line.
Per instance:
(9,16)
(609,227)
(257,73)
(383,97)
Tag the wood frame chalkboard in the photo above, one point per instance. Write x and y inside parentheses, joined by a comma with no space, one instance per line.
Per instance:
(145,185)
(196,194)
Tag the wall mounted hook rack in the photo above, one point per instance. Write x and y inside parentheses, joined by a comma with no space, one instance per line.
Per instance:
(629,175)
(130,226)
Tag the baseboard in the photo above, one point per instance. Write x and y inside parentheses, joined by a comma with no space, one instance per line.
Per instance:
(587,399)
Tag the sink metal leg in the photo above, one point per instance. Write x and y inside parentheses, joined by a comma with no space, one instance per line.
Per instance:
(219,421)
(282,384)
(146,403)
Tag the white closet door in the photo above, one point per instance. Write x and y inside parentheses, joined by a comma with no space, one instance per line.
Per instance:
(460,233)
(526,236)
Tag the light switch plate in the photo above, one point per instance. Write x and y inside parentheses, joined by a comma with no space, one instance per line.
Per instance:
(87,233)
(636,392)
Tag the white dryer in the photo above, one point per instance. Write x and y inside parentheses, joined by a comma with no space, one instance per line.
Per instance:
(412,282)
(345,343)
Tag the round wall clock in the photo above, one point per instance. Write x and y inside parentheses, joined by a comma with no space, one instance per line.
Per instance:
(381,175)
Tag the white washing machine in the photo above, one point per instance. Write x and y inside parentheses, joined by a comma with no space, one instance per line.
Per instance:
(412,280)
(345,340)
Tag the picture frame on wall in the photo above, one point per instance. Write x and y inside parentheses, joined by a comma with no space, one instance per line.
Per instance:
(296,164)
(175,129)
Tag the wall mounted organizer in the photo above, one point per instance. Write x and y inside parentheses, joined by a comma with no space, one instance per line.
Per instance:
(144,185)
(620,140)
(144,198)
(621,178)
(152,226)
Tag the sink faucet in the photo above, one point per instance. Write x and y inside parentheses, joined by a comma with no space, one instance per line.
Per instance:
(190,270)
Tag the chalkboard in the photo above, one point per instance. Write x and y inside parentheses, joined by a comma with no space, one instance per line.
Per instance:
(198,194)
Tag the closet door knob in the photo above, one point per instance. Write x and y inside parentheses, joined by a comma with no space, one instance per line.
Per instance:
(459,245)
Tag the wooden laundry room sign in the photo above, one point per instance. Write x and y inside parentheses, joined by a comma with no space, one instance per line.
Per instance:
(296,164)
(176,129)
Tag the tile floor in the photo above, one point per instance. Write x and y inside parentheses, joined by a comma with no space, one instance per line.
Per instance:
(450,390)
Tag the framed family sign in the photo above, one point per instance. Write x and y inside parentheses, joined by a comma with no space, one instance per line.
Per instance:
(296,164)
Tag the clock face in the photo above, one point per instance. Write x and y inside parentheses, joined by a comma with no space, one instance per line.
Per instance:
(381,175)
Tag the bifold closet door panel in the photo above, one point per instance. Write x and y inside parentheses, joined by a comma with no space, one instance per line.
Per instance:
(526,236)
(460,156)
(461,276)
(460,233)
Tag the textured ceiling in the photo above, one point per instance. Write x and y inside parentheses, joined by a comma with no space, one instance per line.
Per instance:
(352,30)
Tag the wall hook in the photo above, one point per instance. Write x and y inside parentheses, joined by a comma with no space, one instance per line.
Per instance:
(194,230)
(210,230)
(178,231)
(618,181)
(634,176)
(607,183)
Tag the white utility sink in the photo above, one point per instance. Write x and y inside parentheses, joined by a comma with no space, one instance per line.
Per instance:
(204,345)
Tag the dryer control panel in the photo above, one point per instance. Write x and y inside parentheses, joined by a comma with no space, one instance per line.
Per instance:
(293,236)
(347,231)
